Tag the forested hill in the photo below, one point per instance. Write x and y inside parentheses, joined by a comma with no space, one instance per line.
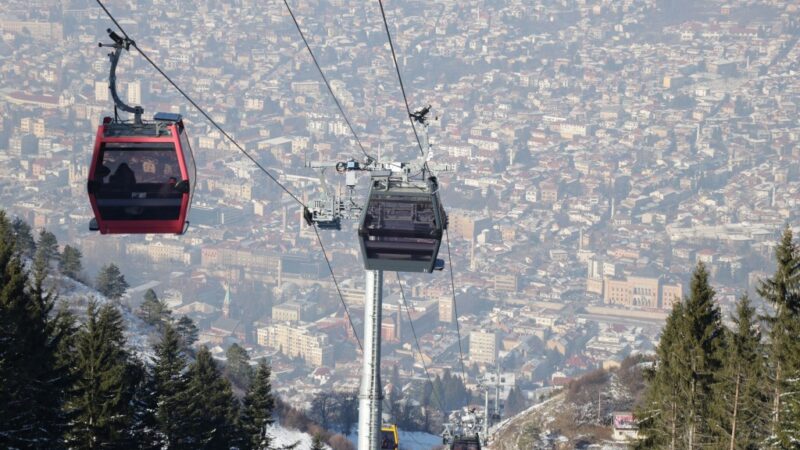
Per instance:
(78,371)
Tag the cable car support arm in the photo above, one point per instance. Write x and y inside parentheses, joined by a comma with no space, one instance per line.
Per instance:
(120,43)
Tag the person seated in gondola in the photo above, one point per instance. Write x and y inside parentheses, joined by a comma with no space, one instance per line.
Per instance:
(123,177)
(168,188)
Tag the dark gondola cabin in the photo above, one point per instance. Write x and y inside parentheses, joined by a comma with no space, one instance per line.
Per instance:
(401,226)
(140,176)
(466,443)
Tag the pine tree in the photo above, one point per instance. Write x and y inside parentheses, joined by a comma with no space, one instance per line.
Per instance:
(171,387)
(213,408)
(144,424)
(33,376)
(661,415)
(347,403)
(154,311)
(781,291)
(70,262)
(676,410)
(23,237)
(110,282)
(515,403)
(106,381)
(317,443)
(704,345)
(740,407)
(238,366)
(46,249)
(257,408)
(187,330)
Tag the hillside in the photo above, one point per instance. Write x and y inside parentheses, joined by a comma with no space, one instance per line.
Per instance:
(577,416)
(140,339)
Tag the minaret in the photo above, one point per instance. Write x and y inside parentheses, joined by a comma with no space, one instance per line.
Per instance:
(772,196)
(226,303)
(613,206)
(472,254)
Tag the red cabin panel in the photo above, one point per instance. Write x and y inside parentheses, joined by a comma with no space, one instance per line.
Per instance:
(139,180)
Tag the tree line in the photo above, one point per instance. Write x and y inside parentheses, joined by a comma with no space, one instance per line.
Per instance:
(65,384)
(716,387)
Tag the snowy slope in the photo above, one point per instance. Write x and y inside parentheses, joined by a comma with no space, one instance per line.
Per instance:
(283,436)
(136,330)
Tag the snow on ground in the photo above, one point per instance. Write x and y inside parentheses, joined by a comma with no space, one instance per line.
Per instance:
(409,440)
(137,331)
(501,427)
(283,436)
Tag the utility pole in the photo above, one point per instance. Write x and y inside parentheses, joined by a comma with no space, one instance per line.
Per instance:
(486,416)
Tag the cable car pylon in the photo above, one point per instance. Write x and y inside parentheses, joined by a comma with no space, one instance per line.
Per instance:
(400,229)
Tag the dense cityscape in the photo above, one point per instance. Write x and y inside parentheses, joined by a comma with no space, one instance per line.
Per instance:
(602,150)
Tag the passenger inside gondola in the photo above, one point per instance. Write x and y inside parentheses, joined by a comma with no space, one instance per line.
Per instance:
(123,178)
(142,184)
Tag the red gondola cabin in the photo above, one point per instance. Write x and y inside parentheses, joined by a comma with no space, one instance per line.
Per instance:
(140,177)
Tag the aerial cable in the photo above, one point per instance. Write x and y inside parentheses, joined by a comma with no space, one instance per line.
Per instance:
(336,283)
(325,79)
(455,307)
(419,349)
(241,149)
(199,109)
(400,78)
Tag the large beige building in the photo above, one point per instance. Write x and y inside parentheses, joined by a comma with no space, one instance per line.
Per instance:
(297,341)
(483,347)
(644,292)
(632,291)
(160,251)
(671,294)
